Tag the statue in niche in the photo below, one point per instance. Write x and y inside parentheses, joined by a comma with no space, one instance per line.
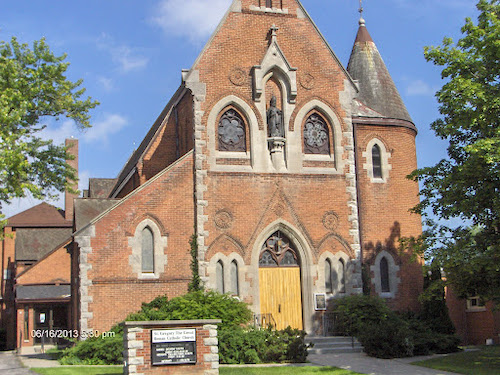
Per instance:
(275,120)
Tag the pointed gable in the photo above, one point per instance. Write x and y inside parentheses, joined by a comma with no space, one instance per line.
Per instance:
(377,89)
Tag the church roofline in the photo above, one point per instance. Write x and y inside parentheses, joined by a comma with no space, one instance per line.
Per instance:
(384,121)
(134,192)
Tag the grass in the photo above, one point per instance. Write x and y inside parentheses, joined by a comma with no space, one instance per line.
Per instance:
(482,362)
(308,370)
(76,370)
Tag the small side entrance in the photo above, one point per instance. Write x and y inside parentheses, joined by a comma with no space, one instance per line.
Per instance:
(279,280)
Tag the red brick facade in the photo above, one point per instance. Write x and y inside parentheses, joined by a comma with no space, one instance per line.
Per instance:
(328,205)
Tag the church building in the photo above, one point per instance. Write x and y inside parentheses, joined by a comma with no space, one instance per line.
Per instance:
(286,168)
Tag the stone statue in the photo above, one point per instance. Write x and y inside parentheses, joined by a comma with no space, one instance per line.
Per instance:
(275,120)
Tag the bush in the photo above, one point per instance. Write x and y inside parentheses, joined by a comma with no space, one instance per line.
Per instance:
(252,345)
(95,351)
(388,339)
(196,305)
(357,311)
(385,334)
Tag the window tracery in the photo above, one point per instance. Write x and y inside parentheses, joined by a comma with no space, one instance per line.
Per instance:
(316,135)
(231,132)
(278,251)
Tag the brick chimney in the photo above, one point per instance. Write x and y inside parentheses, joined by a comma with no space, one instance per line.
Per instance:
(72,145)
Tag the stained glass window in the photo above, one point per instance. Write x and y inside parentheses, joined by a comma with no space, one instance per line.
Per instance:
(376,162)
(384,275)
(316,139)
(147,251)
(231,132)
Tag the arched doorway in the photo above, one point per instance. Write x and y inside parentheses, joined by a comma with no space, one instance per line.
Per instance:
(279,281)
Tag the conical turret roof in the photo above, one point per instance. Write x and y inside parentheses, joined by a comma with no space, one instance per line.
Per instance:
(377,90)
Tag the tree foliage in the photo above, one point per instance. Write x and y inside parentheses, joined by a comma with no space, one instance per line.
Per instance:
(33,90)
(466,185)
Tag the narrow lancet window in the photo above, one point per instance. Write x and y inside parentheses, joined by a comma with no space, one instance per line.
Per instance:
(328,276)
(376,162)
(342,276)
(219,274)
(148,265)
(234,287)
(384,275)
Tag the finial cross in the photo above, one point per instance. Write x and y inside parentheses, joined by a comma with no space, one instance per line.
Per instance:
(361,8)
(274,29)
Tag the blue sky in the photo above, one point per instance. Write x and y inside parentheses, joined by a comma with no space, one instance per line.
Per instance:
(130,54)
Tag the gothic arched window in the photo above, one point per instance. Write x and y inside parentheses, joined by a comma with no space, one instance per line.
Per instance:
(219,275)
(278,251)
(376,161)
(147,249)
(328,276)
(341,276)
(234,285)
(231,132)
(384,276)
(316,135)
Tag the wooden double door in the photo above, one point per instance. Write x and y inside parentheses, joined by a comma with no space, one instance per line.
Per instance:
(280,283)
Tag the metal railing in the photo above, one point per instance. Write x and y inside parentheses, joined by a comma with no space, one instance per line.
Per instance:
(337,324)
(264,320)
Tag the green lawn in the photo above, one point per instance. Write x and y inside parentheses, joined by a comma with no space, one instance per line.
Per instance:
(482,362)
(76,370)
(308,370)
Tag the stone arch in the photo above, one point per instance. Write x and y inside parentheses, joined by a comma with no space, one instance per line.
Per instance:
(393,270)
(233,244)
(226,261)
(384,155)
(160,245)
(306,266)
(249,117)
(335,258)
(333,121)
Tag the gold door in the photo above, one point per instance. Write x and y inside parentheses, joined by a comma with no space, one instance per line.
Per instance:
(280,295)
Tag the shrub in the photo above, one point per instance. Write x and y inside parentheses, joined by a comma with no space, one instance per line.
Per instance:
(196,305)
(356,311)
(95,351)
(252,345)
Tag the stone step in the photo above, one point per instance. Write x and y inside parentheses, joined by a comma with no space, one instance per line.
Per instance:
(333,344)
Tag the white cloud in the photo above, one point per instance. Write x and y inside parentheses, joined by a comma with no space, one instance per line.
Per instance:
(126,58)
(106,83)
(195,19)
(99,132)
(420,88)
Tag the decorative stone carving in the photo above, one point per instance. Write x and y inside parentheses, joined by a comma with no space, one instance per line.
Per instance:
(275,120)
(330,220)
(316,140)
(238,77)
(231,132)
(307,81)
(279,209)
(223,219)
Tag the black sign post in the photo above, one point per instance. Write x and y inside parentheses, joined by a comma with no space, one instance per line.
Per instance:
(173,347)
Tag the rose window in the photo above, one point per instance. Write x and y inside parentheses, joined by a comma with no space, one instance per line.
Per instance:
(231,132)
(316,140)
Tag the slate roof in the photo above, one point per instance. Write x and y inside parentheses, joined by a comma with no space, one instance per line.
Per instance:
(87,209)
(43,215)
(42,292)
(377,89)
(33,244)
(101,187)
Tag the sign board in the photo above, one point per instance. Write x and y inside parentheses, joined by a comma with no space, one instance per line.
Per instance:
(319,301)
(173,346)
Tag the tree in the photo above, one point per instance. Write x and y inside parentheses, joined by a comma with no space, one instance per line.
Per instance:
(466,185)
(33,89)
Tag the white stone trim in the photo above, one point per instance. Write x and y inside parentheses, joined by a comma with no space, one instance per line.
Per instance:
(263,8)
(394,280)
(336,150)
(335,261)
(226,261)
(160,246)
(307,268)
(253,128)
(83,239)
(384,157)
